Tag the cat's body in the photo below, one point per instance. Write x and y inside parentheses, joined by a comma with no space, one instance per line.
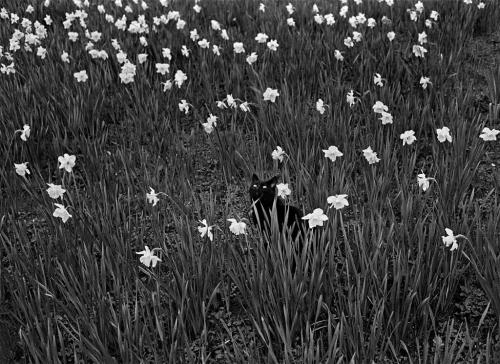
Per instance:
(263,195)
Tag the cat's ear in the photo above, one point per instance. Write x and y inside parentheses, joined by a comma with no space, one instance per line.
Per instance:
(273,181)
(255,179)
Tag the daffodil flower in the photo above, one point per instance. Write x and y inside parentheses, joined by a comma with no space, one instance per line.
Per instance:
(278,154)
(351,100)
(148,258)
(315,218)
(55,191)
(22,169)
(337,201)
(283,190)
(450,240)
(206,230)
(408,137)
(81,76)
(379,107)
(332,153)
(184,106)
(252,58)
(488,134)
(270,94)
(423,181)
(273,45)
(370,155)
(443,134)
(179,78)
(61,212)
(425,81)
(66,162)
(419,51)
(386,118)
(377,80)
(152,197)
(237,227)
(210,124)
(238,47)
(25,132)
(320,106)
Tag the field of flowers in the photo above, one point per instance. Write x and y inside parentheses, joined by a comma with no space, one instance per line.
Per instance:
(129,133)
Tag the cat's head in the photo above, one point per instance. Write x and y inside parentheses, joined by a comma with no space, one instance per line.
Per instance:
(263,191)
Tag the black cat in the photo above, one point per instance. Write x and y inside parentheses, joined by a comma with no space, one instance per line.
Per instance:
(263,194)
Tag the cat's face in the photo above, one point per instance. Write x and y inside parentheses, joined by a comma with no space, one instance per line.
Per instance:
(264,191)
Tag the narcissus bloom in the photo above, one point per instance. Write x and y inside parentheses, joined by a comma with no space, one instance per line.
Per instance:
(252,58)
(55,191)
(391,36)
(379,107)
(22,169)
(408,137)
(377,80)
(152,197)
(273,45)
(419,51)
(330,19)
(332,153)
(261,38)
(185,51)
(148,258)
(61,212)
(81,76)
(224,35)
(370,155)
(316,218)
(238,47)
(319,19)
(386,118)
(423,181)
(162,68)
(320,106)
(351,100)
(290,22)
(278,154)
(488,134)
(184,106)
(338,55)
(204,43)
(424,81)
(348,42)
(25,132)
(338,201)
(244,106)
(270,94)
(206,230)
(67,162)
(210,124)
(216,50)
(450,240)
(237,227)
(443,134)
(193,34)
(179,78)
(215,25)
(283,190)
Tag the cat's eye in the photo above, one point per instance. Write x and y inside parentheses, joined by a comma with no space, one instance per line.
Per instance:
(264,186)
(254,186)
